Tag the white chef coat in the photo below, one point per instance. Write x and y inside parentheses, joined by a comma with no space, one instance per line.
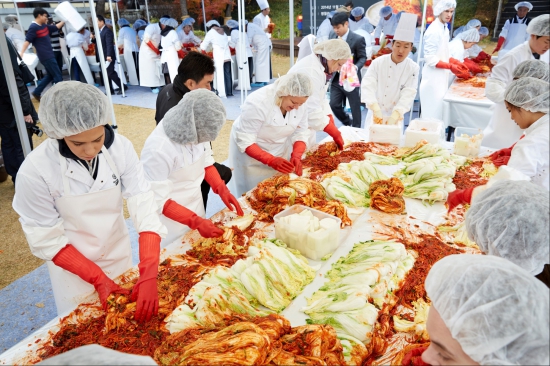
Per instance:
(323,31)
(361,24)
(530,155)
(456,50)
(77,44)
(515,34)
(127,38)
(187,38)
(386,26)
(170,46)
(40,185)
(502,131)
(262,21)
(261,45)
(392,86)
(150,70)
(219,43)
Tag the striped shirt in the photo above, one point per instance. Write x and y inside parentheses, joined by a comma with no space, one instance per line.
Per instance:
(54,39)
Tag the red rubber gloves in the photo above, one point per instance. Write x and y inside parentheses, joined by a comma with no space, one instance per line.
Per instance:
(502,156)
(472,66)
(212,177)
(177,212)
(279,164)
(181,53)
(70,259)
(152,46)
(459,197)
(333,132)
(458,69)
(296,156)
(377,41)
(482,56)
(145,291)
(414,357)
(499,44)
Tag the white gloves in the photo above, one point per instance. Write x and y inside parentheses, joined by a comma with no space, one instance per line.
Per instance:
(395,117)
(377,113)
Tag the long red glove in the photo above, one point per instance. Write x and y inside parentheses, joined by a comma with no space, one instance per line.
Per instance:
(499,44)
(296,156)
(152,46)
(454,61)
(212,177)
(377,41)
(472,66)
(70,259)
(181,53)
(502,156)
(459,197)
(177,212)
(145,291)
(333,132)
(459,70)
(279,164)
(414,357)
(482,56)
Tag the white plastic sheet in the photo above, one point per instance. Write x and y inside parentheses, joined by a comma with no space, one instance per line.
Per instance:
(466,106)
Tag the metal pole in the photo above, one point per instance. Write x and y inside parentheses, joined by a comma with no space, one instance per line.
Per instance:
(116,46)
(419,60)
(311,16)
(18,16)
(14,93)
(203,15)
(315,17)
(85,11)
(99,48)
(147,11)
(452,25)
(291,26)
(498,18)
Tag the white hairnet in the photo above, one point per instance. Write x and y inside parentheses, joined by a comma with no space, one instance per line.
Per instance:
(458,30)
(331,14)
(10,19)
(333,49)
(121,22)
(172,23)
(108,21)
(524,4)
(470,35)
(197,118)
(294,85)
(497,311)
(164,21)
(533,68)
(528,93)
(483,31)
(232,24)
(385,11)
(188,21)
(540,26)
(72,107)
(358,11)
(139,23)
(510,219)
(95,354)
(211,23)
(473,23)
(443,5)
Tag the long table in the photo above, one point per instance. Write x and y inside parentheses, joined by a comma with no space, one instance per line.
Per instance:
(466,106)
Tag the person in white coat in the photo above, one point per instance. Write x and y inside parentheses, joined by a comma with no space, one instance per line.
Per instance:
(263,20)
(188,39)
(150,69)
(271,133)
(139,26)
(245,60)
(325,28)
(386,25)
(389,87)
(514,32)
(359,21)
(127,43)
(327,58)
(476,53)
(261,45)
(502,131)
(172,52)
(179,150)
(69,196)
(459,46)
(217,41)
(79,63)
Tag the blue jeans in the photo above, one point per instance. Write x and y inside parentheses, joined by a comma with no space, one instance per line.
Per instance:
(53,74)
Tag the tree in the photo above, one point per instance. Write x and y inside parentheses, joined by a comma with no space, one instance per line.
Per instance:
(100,7)
(213,8)
(183,7)
(228,10)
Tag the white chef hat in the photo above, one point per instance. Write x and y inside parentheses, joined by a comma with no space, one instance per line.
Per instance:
(263,4)
(212,22)
(405,28)
(358,11)
(442,5)
(523,4)
(540,26)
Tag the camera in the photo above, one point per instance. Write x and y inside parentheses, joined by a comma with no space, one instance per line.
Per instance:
(35,130)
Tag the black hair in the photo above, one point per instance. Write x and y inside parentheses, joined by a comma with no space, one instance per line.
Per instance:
(339,18)
(166,16)
(195,66)
(101,18)
(349,3)
(39,11)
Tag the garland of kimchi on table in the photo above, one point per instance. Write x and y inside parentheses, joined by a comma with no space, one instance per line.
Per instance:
(219,298)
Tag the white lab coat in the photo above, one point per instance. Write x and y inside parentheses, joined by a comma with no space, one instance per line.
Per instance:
(18,39)
(514,33)
(262,21)
(77,44)
(435,82)
(456,50)
(184,166)
(392,86)
(305,47)
(140,34)
(150,69)
(530,155)
(49,223)
(170,46)
(242,61)
(188,38)
(261,46)
(386,26)
(261,122)
(127,38)
(502,131)
(361,24)
(323,31)
(219,44)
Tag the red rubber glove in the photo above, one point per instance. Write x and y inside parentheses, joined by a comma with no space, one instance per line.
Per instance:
(145,291)
(482,56)
(333,132)
(181,53)
(459,197)
(459,70)
(499,44)
(279,164)
(185,216)
(472,66)
(503,160)
(296,156)
(212,177)
(152,46)
(70,259)
(454,61)
(502,156)
(414,357)
(377,41)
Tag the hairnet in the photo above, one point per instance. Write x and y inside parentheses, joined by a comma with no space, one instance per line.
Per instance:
(358,11)
(188,21)
(510,219)
(212,22)
(333,49)
(139,23)
(458,30)
(331,14)
(473,23)
(497,311)
(528,93)
(10,19)
(72,107)
(524,4)
(164,17)
(164,21)
(540,26)
(232,24)
(385,11)
(197,118)
(293,85)
(172,23)
(94,354)
(443,5)
(108,21)
(483,31)
(470,35)
(533,68)
(121,22)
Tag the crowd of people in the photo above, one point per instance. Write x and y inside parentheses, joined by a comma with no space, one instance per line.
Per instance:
(69,191)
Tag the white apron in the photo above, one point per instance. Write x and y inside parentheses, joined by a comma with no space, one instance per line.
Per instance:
(502,131)
(187,192)
(77,53)
(261,59)
(150,69)
(219,59)
(130,63)
(516,36)
(95,226)
(245,82)
(170,56)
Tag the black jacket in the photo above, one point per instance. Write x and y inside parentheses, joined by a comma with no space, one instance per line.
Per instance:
(358,50)
(169,96)
(108,43)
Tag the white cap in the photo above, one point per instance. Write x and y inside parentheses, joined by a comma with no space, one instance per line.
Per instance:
(524,4)
(263,4)
(405,28)
(212,22)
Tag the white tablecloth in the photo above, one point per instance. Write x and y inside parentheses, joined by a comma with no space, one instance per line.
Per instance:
(466,106)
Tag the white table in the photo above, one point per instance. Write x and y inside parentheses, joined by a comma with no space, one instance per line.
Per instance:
(466,106)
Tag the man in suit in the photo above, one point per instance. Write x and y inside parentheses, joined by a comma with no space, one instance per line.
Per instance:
(340,26)
(108,44)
